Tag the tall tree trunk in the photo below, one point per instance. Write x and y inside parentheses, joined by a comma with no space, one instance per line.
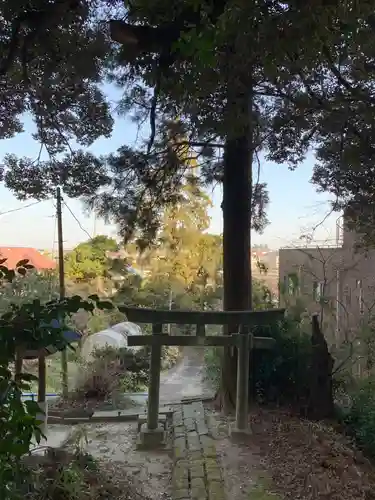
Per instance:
(237,201)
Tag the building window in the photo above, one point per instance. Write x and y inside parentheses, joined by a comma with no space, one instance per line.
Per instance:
(318,290)
(291,284)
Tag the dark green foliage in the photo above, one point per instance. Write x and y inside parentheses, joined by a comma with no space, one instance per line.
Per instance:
(281,374)
(26,326)
(360,417)
(18,424)
(50,66)
(80,174)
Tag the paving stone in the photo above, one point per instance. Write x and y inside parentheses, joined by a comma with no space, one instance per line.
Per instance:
(177,418)
(216,491)
(179,448)
(198,489)
(198,494)
(198,408)
(193,441)
(209,451)
(197,472)
(214,475)
(189,424)
(181,483)
(195,454)
(181,494)
(197,461)
(180,471)
(211,462)
(213,467)
(182,463)
(179,431)
(198,483)
(202,429)
(188,411)
(207,441)
(193,435)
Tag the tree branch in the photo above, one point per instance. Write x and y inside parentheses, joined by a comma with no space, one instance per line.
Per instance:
(37,20)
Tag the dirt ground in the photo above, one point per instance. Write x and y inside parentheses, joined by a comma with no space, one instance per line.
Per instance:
(114,446)
(288,458)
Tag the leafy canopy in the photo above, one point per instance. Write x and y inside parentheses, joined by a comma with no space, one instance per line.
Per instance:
(90,259)
(189,68)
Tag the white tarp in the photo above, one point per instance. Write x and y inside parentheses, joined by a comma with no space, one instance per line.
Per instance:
(116,337)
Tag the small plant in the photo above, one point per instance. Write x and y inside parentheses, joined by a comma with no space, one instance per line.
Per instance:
(360,418)
(65,475)
(27,326)
(135,382)
(169,357)
(212,360)
(113,371)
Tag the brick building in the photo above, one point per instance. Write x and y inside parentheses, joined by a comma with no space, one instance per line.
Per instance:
(337,281)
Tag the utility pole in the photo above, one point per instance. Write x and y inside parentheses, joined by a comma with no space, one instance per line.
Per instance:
(64,358)
(170,302)
(94,232)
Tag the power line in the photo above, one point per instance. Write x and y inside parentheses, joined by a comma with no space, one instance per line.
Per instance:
(20,208)
(77,220)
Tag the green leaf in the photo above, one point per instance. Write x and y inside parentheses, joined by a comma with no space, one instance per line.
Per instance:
(94,297)
(28,377)
(5,373)
(32,407)
(38,435)
(105,305)
(7,316)
(22,263)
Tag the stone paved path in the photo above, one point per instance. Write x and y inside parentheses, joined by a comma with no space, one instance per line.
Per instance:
(196,472)
(186,380)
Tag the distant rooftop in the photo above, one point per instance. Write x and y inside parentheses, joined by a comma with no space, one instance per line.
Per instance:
(35,258)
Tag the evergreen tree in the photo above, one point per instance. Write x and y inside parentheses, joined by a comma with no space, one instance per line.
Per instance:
(90,260)
(234,74)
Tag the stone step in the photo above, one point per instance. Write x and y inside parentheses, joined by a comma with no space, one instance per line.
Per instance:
(163,410)
(162,419)
(114,416)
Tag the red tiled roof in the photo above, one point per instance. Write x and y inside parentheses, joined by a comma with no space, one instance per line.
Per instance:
(35,258)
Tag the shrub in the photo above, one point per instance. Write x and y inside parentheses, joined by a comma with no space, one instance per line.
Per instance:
(113,371)
(100,379)
(169,357)
(360,417)
(281,375)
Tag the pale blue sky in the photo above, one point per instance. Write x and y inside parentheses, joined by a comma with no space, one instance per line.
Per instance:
(295,206)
